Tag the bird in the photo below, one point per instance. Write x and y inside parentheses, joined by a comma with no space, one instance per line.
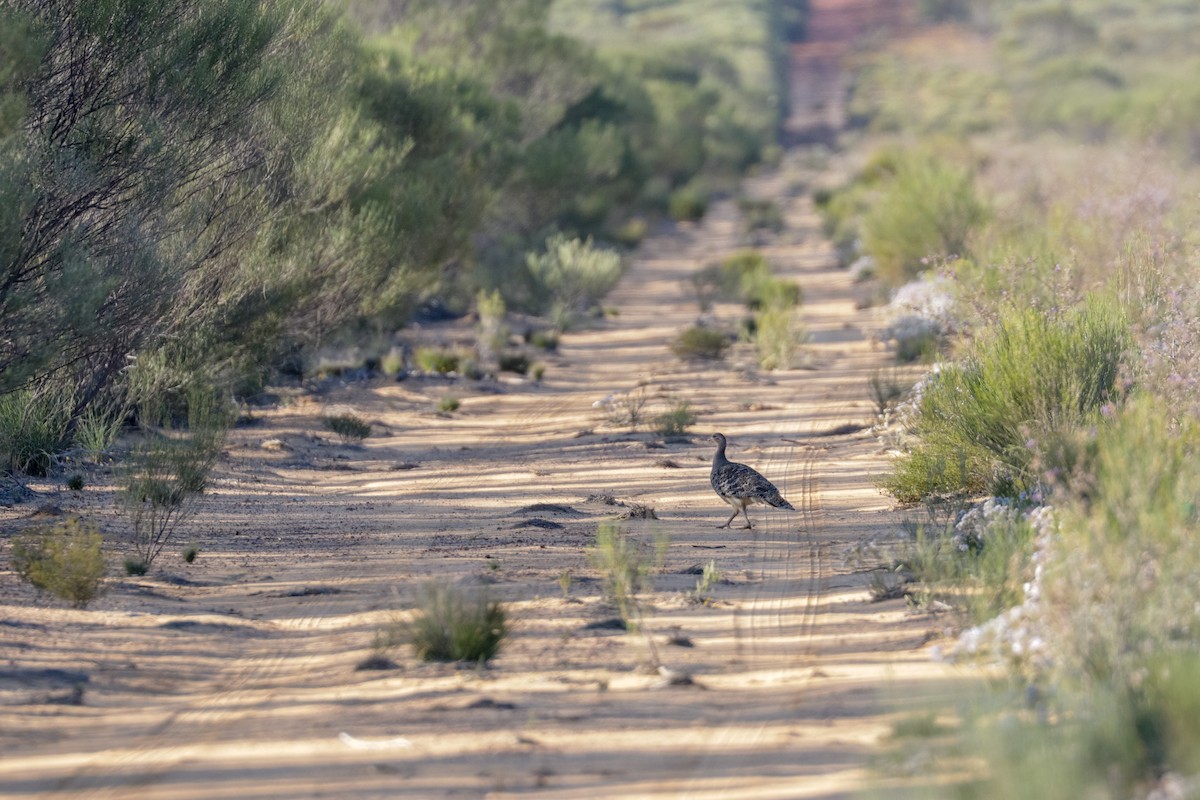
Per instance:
(740,485)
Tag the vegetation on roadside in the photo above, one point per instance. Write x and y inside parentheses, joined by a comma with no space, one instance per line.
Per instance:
(451,624)
(63,559)
(1026,161)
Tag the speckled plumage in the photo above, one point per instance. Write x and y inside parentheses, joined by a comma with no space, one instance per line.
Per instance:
(740,485)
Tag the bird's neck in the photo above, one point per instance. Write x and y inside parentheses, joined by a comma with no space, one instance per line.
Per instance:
(720,458)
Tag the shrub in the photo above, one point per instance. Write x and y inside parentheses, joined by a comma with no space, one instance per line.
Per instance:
(687,204)
(392,364)
(96,430)
(190,553)
(699,342)
(928,209)
(165,476)
(448,404)
(514,362)
(1124,572)
(625,565)
(779,337)
(135,566)
(63,559)
(537,372)
(491,334)
(544,340)
(979,562)
(436,359)
(676,420)
(452,625)
(1030,382)
(886,390)
(625,408)
(75,483)
(32,431)
(348,427)
(574,272)
(760,214)
(709,285)
(747,275)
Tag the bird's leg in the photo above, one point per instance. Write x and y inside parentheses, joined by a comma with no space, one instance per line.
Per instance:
(745,514)
(731,516)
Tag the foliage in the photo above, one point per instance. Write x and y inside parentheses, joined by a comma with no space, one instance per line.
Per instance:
(779,336)
(348,427)
(1027,384)
(167,473)
(699,342)
(437,359)
(976,562)
(760,214)
(927,209)
(886,390)
(33,430)
(1123,573)
(96,431)
(448,404)
(747,275)
(453,625)
(139,171)
(514,362)
(574,273)
(63,559)
(687,204)
(491,334)
(75,483)
(625,565)
(676,420)
(625,409)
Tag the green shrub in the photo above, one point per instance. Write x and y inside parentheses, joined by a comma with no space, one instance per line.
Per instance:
(189,554)
(977,563)
(165,476)
(135,566)
(537,372)
(348,427)
(747,275)
(491,333)
(96,430)
(1029,382)
(448,404)
(575,273)
(32,431)
(514,362)
(687,204)
(437,359)
(63,559)
(760,214)
(544,340)
(392,364)
(75,483)
(452,625)
(698,342)
(927,210)
(676,420)
(625,565)
(886,390)
(1124,572)
(779,337)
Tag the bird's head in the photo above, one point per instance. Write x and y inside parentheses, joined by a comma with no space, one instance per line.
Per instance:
(719,438)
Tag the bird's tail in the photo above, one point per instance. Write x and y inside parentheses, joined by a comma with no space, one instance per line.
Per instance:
(777,500)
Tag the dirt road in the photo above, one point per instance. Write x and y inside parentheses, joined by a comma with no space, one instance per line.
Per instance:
(234,677)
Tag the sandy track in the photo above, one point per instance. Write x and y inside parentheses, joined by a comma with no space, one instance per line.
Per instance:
(234,677)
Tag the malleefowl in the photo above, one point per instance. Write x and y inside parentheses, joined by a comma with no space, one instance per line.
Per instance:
(740,485)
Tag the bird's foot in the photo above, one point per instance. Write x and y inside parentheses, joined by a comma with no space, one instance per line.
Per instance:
(747,527)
